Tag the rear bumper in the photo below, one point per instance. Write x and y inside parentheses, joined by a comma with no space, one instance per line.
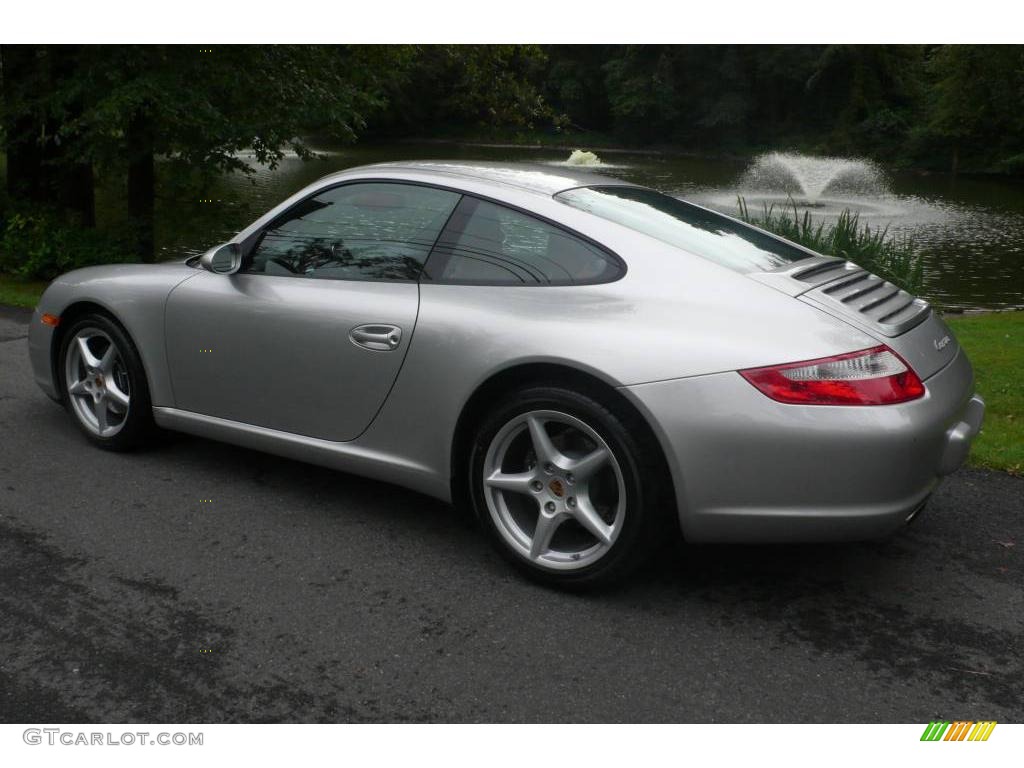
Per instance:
(960,436)
(749,469)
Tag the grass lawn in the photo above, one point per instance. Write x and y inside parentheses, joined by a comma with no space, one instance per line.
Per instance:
(995,344)
(18,293)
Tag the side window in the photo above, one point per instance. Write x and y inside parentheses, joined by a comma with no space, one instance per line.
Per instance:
(489,244)
(362,231)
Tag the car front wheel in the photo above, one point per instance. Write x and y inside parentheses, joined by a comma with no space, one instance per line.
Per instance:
(557,480)
(104,383)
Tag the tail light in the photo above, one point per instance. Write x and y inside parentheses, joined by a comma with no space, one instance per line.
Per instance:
(876,376)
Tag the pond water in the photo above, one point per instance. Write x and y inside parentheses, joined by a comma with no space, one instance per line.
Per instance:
(970,231)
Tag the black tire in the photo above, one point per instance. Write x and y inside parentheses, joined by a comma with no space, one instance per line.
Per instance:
(137,427)
(647,510)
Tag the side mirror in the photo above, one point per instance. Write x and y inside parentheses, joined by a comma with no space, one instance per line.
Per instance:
(223,260)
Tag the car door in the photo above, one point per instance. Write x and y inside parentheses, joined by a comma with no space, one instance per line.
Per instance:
(310,334)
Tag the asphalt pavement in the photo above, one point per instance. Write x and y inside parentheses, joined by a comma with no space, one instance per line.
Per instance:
(199,582)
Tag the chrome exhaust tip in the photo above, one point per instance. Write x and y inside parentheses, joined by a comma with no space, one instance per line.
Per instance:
(915,511)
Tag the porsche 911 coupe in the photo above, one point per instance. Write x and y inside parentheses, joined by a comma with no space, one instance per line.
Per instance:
(588,364)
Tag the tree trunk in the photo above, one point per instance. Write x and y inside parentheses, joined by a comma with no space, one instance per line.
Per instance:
(141,183)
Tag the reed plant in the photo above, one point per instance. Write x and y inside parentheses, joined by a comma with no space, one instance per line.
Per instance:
(891,257)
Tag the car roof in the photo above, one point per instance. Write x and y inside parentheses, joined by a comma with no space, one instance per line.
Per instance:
(531,177)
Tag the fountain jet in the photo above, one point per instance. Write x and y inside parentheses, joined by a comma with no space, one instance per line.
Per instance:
(583,157)
(808,177)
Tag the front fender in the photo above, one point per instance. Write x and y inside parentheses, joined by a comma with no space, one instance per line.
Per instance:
(134,294)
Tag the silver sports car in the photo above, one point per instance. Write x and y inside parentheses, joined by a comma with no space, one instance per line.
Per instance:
(586,363)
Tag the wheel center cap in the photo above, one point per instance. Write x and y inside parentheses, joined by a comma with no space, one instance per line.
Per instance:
(557,487)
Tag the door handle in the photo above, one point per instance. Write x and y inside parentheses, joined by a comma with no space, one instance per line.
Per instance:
(375,336)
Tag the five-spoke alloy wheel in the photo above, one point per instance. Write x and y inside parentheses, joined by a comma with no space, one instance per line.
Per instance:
(555,478)
(104,384)
(97,382)
(554,489)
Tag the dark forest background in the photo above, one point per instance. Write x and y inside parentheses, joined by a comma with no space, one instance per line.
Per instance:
(75,116)
(944,108)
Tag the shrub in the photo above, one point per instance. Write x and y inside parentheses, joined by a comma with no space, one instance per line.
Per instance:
(892,258)
(38,244)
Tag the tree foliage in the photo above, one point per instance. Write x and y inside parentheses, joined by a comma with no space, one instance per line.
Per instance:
(70,111)
(117,108)
(205,105)
(70,114)
(466,86)
(929,106)
(975,105)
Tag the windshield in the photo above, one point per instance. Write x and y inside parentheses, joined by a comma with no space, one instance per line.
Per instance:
(704,233)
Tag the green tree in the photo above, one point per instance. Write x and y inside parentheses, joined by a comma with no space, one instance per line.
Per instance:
(870,94)
(119,108)
(198,107)
(34,109)
(474,86)
(643,92)
(974,117)
(703,97)
(575,84)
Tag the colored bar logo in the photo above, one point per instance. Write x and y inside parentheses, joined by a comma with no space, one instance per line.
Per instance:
(959,730)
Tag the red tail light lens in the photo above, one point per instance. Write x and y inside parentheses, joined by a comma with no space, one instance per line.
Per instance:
(876,376)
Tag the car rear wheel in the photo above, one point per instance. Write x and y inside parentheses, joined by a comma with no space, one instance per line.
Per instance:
(557,480)
(104,384)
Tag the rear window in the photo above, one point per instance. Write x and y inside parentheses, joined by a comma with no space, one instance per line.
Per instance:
(489,244)
(692,228)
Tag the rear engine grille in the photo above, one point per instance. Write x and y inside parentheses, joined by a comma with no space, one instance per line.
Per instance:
(822,272)
(863,296)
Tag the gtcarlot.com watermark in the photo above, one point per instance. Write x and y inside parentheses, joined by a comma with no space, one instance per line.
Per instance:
(56,736)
